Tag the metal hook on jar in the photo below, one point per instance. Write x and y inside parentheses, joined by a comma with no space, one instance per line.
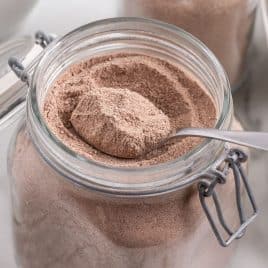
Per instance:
(17,67)
(15,64)
(43,39)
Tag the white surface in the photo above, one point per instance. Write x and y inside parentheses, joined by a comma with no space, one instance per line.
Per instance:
(60,16)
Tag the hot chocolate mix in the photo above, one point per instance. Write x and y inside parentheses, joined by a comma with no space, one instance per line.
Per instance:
(120,122)
(87,110)
(58,224)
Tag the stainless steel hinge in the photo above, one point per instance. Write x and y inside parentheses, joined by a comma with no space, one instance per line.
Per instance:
(16,65)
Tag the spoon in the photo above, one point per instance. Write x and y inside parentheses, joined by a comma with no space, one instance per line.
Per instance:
(258,140)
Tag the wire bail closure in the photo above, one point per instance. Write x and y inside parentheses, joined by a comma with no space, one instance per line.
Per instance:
(16,65)
(206,187)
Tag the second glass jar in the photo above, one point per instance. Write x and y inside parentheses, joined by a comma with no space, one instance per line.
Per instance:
(224,26)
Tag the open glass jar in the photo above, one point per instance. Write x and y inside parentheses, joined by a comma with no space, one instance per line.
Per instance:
(224,26)
(72,212)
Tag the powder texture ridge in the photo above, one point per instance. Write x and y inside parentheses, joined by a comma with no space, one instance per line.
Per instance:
(120,122)
(174,94)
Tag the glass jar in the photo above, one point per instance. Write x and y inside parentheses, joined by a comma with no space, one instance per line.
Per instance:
(12,102)
(72,212)
(224,26)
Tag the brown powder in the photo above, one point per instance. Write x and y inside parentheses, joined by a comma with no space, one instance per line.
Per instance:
(223,25)
(58,224)
(174,93)
(120,122)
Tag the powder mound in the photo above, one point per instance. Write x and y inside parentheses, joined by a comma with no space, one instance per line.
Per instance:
(120,122)
(171,89)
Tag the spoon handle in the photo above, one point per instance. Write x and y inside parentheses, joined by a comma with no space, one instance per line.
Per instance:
(258,140)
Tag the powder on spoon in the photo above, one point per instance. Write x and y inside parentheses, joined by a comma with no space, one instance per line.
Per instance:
(178,94)
(120,122)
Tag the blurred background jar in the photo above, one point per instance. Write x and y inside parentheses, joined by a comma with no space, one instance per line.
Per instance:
(225,26)
(12,14)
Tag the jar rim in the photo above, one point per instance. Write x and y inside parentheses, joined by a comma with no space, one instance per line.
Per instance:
(46,140)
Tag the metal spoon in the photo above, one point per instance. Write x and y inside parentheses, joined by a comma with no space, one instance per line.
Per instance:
(258,140)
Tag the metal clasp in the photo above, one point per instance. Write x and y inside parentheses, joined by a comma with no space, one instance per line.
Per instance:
(232,162)
(16,65)
(43,39)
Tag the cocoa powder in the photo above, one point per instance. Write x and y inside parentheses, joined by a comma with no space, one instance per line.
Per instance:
(174,94)
(120,122)
(58,224)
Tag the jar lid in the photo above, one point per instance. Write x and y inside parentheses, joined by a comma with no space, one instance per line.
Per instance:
(12,90)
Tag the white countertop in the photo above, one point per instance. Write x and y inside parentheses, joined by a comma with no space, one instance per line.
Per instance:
(61,16)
